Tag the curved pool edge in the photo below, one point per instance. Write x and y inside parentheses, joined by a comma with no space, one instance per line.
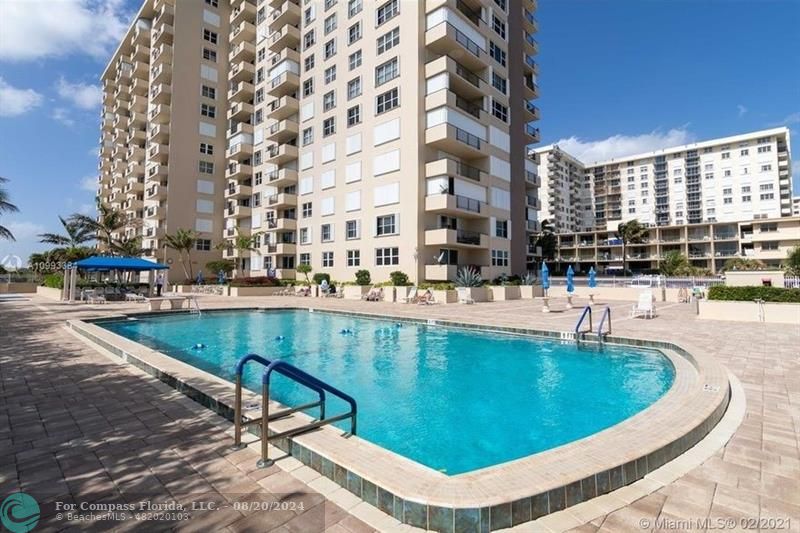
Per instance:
(494,497)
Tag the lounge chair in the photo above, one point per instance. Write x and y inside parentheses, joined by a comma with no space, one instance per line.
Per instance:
(374,295)
(370,295)
(94,298)
(426,298)
(412,296)
(645,306)
(135,297)
(305,291)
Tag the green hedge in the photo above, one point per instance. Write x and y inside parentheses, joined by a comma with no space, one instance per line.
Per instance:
(255,281)
(748,294)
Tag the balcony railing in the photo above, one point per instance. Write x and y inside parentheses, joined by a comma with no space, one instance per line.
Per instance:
(468,204)
(469,107)
(468,237)
(468,75)
(467,138)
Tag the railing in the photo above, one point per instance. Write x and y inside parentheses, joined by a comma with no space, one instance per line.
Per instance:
(469,204)
(300,377)
(467,138)
(468,237)
(586,310)
(466,42)
(468,171)
(467,74)
(469,107)
(606,314)
(791,283)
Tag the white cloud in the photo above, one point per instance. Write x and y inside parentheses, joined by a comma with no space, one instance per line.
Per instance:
(26,242)
(741,109)
(61,115)
(86,209)
(82,95)
(89,183)
(14,101)
(792,118)
(624,145)
(34,29)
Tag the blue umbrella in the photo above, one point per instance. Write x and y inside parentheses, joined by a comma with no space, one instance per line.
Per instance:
(570,280)
(592,278)
(545,277)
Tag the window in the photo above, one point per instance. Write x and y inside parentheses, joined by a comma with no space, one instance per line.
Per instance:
(768,196)
(330,49)
(385,225)
(499,82)
(746,198)
(209,55)
(354,33)
(766,187)
(501,229)
(499,26)
(386,72)
(745,188)
(327,259)
(497,53)
(387,101)
(328,126)
(330,24)
(208,92)
(387,11)
(206,167)
(329,4)
(207,110)
(308,136)
(768,228)
(325,233)
(259,96)
(329,101)
(206,148)
(305,259)
(308,16)
(212,3)
(766,168)
(354,115)
(501,4)
(308,87)
(305,236)
(499,110)
(354,88)
(764,149)
(309,39)
(387,256)
(306,210)
(727,191)
(726,173)
(204,245)
(774,245)
(353,258)
(726,155)
(354,7)
(352,230)
(354,60)
(709,176)
(727,200)
(500,258)
(210,36)
(330,74)
(308,63)
(388,40)
(744,152)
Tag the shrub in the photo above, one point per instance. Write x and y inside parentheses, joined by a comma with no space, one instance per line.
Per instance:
(319,276)
(256,281)
(304,269)
(528,279)
(399,279)
(54,281)
(468,277)
(443,286)
(226,265)
(363,277)
(748,294)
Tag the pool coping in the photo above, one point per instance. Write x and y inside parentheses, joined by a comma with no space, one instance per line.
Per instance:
(491,498)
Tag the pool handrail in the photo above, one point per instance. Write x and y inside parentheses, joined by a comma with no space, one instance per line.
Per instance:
(606,314)
(238,423)
(587,309)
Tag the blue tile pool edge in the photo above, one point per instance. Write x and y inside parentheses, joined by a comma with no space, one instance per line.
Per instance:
(448,519)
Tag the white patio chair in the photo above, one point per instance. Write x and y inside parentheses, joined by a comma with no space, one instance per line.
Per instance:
(645,307)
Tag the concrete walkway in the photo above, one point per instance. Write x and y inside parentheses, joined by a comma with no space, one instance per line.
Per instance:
(78,427)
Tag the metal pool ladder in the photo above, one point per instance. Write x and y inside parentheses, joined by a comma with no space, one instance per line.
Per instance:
(606,315)
(586,311)
(299,376)
(194,306)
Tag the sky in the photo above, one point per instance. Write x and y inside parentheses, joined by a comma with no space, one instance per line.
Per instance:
(616,77)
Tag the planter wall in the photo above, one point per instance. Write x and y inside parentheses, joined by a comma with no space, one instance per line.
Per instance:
(744,278)
(355,292)
(443,297)
(773,312)
(254,291)
(529,292)
(18,288)
(505,292)
(49,292)
(476,294)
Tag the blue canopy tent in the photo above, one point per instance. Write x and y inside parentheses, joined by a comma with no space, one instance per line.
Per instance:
(100,263)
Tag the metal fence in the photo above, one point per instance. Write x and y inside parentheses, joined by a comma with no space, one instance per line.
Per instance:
(643,281)
(791,283)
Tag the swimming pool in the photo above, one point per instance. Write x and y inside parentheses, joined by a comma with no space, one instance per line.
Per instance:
(455,400)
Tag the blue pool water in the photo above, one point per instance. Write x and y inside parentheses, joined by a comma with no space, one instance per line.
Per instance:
(455,400)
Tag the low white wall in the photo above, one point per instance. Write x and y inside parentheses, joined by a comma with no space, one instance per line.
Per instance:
(774,313)
(508,292)
(49,292)
(254,291)
(630,294)
(18,288)
(750,278)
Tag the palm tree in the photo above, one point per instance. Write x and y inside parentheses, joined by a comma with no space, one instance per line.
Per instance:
(6,207)
(108,222)
(128,246)
(75,235)
(183,241)
(631,232)
(547,240)
(242,243)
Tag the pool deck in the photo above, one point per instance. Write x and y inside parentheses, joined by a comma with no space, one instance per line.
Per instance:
(78,426)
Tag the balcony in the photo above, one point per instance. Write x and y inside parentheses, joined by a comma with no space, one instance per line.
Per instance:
(140,86)
(240,151)
(159,133)
(282,85)
(280,200)
(282,131)
(286,248)
(241,71)
(158,153)
(456,141)
(238,190)
(456,205)
(160,114)
(287,37)
(286,13)
(283,108)
(162,55)
(138,104)
(156,172)
(243,31)
(134,186)
(457,238)
(444,97)
(533,202)
(452,167)
(163,35)
(240,111)
(141,52)
(532,110)
(157,191)
(238,211)
(133,202)
(281,178)
(161,73)
(141,69)
(244,12)
(134,152)
(461,80)
(282,224)
(241,92)
(165,14)
(155,212)
(450,272)
(530,89)
(445,39)
(243,51)
(532,179)
(161,93)
(532,225)
(238,171)
(279,155)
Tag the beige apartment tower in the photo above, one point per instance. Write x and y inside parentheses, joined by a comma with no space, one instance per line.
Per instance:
(346,134)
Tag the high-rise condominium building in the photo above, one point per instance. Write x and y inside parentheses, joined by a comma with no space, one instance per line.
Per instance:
(386,135)
(731,179)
